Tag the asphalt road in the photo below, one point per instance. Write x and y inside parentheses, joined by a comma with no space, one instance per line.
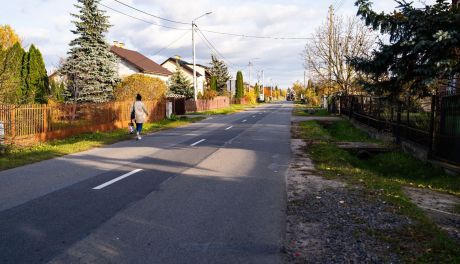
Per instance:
(212,192)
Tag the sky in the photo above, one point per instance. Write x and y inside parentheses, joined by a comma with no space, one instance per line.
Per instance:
(48,24)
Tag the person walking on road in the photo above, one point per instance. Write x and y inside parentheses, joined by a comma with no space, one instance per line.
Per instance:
(140,115)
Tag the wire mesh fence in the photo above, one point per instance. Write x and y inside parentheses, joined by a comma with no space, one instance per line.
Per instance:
(433,122)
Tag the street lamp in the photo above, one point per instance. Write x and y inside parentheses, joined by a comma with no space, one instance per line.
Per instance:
(194,53)
(250,65)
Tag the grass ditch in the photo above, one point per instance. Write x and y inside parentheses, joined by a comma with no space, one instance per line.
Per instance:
(383,175)
(234,108)
(20,156)
(304,110)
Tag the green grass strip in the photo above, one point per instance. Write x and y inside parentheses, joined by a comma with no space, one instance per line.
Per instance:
(234,108)
(19,156)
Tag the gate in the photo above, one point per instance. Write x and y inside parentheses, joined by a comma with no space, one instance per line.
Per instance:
(178,106)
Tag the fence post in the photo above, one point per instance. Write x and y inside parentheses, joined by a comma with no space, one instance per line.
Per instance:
(350,114)
(340,105)
(408,111)
(45,118)
(398,123)
(13,122)
(432,117)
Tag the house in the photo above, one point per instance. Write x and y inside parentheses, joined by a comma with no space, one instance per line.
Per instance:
(57,77)
(187,69)
(132,62)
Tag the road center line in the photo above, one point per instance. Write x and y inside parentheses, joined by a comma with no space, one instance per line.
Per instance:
(116,179)
(198,142)
(228,128)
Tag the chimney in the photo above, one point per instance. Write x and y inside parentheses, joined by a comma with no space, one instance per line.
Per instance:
(118,44)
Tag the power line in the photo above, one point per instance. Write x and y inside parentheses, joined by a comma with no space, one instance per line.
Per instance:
(254,36)
(339,5)
(170,44)
(140,19)
(149,14)
(203,30)
(212,47)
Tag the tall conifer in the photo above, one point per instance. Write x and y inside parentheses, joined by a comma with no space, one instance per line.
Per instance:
(239,85)
(220,71)
(90,66)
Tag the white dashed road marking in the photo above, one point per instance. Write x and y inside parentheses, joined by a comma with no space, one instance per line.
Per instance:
(116,179)
(198,142)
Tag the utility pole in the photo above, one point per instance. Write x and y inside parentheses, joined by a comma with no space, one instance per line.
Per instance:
(305,79)
(195,94)
(331,44)
(249,66)
(263,85)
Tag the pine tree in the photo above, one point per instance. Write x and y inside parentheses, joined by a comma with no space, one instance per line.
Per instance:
(90,66)
(179,84)
(239,85)
(220,70)
(214,83)
(35,84)
(422,48)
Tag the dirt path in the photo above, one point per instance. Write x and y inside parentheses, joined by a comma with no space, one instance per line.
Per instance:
(439,207)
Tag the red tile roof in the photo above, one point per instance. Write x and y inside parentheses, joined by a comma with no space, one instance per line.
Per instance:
(141,62)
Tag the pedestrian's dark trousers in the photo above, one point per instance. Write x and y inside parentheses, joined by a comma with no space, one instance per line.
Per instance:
(139,127)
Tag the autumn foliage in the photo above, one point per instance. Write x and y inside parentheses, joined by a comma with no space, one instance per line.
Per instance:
(149,87)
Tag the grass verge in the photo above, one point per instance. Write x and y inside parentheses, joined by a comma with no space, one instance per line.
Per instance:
(304,110)
(20,156)
(234,108)
(383,175)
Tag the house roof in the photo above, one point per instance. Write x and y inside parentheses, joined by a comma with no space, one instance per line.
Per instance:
(185,65)
(141,62)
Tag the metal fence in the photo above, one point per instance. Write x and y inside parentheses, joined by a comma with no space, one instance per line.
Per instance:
(30,123)
(433,122)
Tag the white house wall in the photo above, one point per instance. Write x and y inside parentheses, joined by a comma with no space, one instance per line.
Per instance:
(171,66)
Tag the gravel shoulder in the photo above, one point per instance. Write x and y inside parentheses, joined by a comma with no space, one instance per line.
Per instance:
(329,221)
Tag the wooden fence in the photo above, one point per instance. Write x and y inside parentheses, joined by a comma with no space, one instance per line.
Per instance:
(205,105)
(32,123)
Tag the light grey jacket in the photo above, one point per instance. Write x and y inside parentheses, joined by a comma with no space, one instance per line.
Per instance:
(140,111)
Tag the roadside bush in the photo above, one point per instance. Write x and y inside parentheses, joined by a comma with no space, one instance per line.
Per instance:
(149,87)
(251,97)
(208,94)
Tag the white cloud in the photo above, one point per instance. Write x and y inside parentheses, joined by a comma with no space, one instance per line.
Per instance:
(47,23)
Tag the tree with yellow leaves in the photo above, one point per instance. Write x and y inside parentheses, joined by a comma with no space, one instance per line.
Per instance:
(8,37)
(150,88)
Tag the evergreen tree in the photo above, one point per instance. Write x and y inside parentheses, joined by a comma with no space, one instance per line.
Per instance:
(239,85)
(422,49)
(35,84)
(219,69)
(10,73)
(90,66)
(179,84)
(214,83)
(256,89)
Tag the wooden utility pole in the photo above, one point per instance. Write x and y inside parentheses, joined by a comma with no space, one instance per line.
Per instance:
(330,34)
